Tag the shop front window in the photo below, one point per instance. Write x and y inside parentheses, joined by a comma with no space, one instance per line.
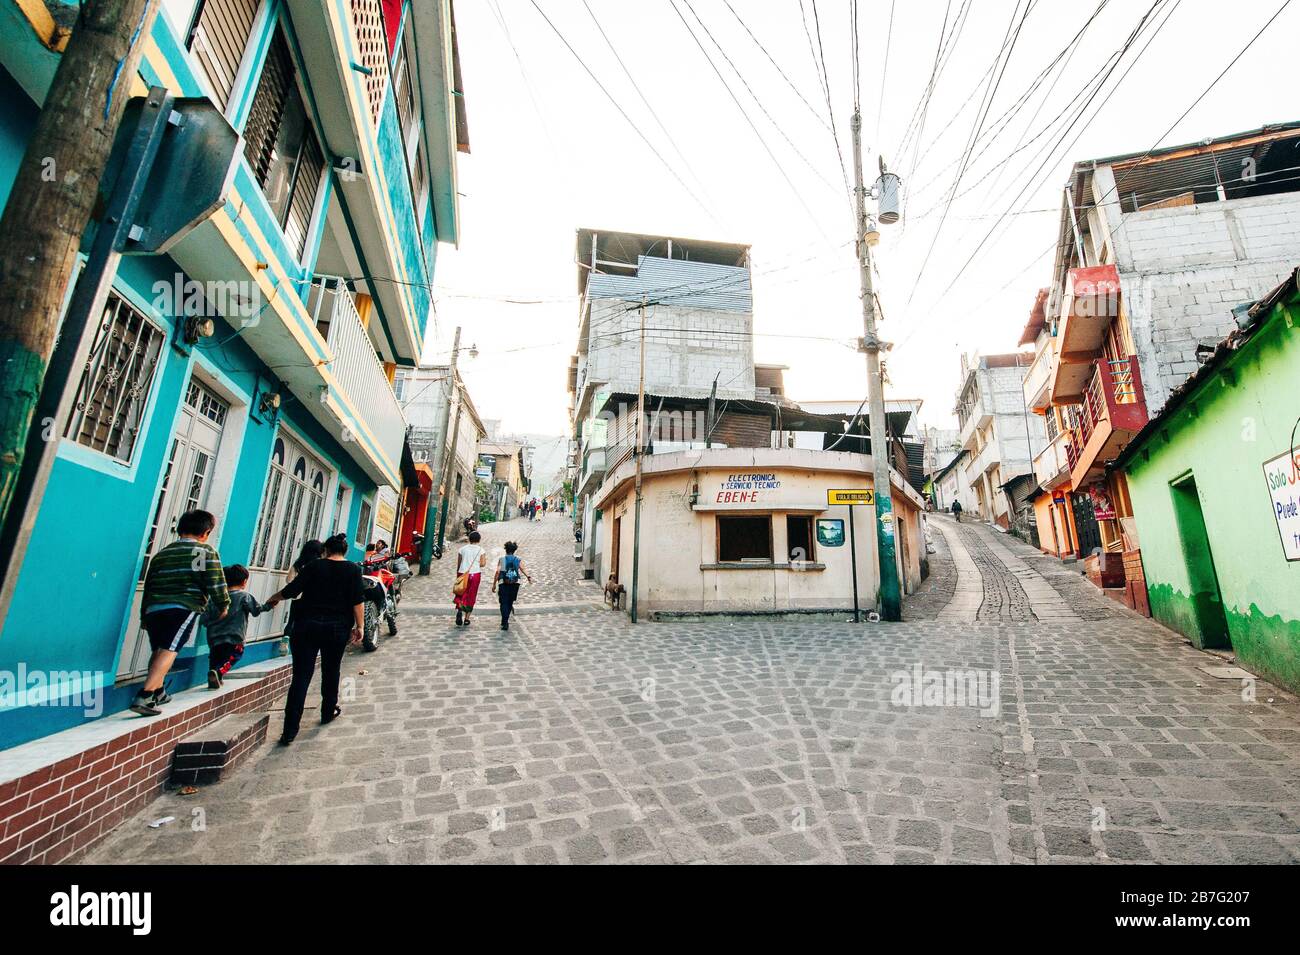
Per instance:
(745,539)
(799,538)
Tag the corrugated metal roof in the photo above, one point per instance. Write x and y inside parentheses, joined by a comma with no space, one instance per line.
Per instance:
(677,282)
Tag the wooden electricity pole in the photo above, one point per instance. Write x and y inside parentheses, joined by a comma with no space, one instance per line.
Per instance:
(889,595)
(50,205)
(640,452)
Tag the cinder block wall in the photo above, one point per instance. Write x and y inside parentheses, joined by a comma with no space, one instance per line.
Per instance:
(1188,266)
(685,348)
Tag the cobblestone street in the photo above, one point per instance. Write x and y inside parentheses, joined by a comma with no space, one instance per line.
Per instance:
(577,737)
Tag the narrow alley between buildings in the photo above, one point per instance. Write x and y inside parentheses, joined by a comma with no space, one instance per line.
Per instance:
(1088,734)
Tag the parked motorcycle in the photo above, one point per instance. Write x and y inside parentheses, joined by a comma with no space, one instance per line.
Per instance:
(383,590)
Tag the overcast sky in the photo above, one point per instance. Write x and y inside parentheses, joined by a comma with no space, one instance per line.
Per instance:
(551,153)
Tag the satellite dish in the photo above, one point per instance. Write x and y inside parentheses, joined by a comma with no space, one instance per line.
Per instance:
(888,201)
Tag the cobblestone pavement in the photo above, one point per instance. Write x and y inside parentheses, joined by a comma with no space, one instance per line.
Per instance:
(577,737)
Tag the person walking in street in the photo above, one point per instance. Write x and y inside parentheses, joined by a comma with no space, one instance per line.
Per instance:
(470,561)
(312,550)
(544,505)
(505,581)
(184,581)
(328,615)
(956,510)
(226,633)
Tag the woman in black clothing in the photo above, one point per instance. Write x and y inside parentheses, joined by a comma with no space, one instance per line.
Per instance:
(328,613)
(312,550)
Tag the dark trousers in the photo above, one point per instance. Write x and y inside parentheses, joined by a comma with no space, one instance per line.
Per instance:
(312,636)
(507,594)
(223,656)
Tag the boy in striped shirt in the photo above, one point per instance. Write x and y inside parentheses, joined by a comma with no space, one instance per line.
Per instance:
(183,581)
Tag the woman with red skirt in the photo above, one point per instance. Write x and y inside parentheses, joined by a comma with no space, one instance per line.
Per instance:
(470,559)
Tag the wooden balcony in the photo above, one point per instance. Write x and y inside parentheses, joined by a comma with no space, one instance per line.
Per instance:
(1090,304)
(1112,411)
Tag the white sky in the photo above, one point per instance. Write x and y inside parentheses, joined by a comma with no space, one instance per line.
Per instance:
(551,154)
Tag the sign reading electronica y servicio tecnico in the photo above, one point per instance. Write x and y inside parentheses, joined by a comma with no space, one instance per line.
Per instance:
(1283,477)
(745,488)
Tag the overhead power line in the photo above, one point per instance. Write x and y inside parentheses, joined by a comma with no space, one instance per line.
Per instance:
(622,112)
(1033,179)
(789,82)
(735,99)
(757,99)
(991,91)
(884,69)
(637,88)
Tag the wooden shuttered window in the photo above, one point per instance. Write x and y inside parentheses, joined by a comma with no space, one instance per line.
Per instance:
(218,38)
(311,167)
(281,146)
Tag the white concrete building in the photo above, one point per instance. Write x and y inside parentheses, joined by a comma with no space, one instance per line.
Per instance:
(424,393)
(997,431)
(694,299)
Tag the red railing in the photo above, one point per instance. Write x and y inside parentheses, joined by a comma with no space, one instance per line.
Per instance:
(1112,395)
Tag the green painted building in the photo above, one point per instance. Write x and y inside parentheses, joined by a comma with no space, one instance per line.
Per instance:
(1215,484)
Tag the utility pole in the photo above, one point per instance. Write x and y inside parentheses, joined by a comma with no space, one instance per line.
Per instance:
(640,453)
(431,506)
(890,599)
(50,205)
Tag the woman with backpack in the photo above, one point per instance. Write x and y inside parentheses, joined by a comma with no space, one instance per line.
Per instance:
(509,569)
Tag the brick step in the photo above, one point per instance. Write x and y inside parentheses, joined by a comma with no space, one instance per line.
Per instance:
(203,757)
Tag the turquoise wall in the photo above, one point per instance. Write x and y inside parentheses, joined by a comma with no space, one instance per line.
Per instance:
(73,599)
(72,605)
(1235,421)
(74,593)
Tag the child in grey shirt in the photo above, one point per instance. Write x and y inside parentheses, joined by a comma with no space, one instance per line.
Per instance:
(226,635)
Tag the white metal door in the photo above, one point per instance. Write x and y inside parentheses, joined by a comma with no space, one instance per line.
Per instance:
(293,506)
(187,479)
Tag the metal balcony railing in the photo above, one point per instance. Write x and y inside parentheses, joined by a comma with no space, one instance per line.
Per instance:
(355,366)
(1113,396)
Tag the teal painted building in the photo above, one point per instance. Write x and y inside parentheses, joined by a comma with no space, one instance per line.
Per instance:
(1215,483)
(316,273)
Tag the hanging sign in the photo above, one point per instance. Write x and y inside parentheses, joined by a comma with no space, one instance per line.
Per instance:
(1102,507)
(830,531)
(1282,475)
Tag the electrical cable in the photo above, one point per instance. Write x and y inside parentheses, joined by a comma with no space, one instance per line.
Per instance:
(636,86)
(982,116)
(1032,179)
(735,99)
(622,112)
(757,99)
(789,82)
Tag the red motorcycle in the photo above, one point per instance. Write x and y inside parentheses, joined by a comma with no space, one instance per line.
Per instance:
(383,577)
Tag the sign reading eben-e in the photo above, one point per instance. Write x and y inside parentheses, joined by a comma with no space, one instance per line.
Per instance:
(745,488)
(1283,476)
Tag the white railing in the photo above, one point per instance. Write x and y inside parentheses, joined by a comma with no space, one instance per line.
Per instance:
(977,417)
(1052,463)
(356,367)
(1039,373)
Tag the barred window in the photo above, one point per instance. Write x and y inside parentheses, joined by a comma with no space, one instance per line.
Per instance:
(115,385)
(363,525)
(206,403)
